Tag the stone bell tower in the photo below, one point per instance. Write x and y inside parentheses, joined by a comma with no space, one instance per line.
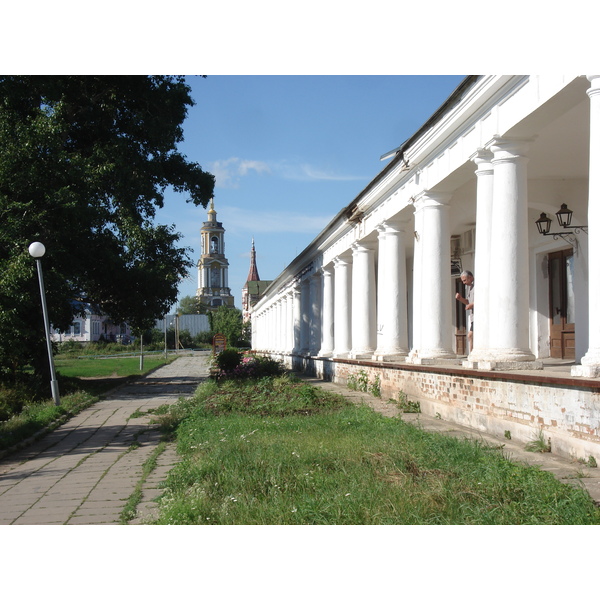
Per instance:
(213,285)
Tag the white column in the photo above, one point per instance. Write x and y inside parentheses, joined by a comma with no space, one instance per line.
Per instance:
(483,270)
(315,314)
(274,329)
(270,327)
(260,329)
(290,320)
(509,258)
(416,283)
(284,323)
(297,319)
(327,312)
(590,362)
(279,313)
(254,336)
(304,316)
(342,307)
(436,290)
(392,334)
(266,328)
(364,307)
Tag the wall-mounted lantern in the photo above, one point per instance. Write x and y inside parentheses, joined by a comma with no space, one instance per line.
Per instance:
(564,220)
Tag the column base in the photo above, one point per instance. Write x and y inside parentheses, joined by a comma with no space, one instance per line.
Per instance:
(502,359)
(590,364)
(432,357)
(439,361)
(390,356)
(585,371)
(507,365)
(326,354)
(361,354)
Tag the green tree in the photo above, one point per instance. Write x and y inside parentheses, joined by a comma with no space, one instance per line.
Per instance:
(228,321)
(191,305)
(84,164)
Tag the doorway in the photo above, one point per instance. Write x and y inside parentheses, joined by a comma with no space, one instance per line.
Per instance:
(562,304)
(461,343)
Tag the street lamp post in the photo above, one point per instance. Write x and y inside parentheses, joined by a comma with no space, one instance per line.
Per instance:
(37,250)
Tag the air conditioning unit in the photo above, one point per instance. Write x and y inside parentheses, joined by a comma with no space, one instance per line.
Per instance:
(455,249)
(467,241)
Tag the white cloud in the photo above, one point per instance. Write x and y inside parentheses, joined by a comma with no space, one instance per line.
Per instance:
(239,219)
(228,171)
(305,172)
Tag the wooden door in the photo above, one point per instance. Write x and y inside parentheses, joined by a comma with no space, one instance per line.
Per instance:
(562,316)
(461,320)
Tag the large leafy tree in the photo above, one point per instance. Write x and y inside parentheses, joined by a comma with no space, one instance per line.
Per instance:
(228,321)
(191,305)
(84,164)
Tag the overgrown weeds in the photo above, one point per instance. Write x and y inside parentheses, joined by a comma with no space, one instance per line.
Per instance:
(405,405)
(360,382)
(36,416)
(276,451)
(539,443)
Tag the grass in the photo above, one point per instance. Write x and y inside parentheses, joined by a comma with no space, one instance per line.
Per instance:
(539,443)
(105,367)
(129,511)
(37,416)
(278,451)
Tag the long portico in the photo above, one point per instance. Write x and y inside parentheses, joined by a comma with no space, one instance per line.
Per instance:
(378,285)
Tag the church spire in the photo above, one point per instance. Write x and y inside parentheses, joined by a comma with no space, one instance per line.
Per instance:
(212,213)
(253,274)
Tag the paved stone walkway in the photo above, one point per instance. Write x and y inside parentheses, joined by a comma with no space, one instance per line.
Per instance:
(84,471)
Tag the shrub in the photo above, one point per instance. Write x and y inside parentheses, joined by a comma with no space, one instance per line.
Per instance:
(228,360)
(70,347)
(12,401)
(257,367)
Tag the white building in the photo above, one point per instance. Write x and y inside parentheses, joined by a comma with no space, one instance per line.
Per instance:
(92,326)
(375,290)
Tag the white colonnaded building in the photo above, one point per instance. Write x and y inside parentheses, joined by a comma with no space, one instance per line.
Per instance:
(503,180)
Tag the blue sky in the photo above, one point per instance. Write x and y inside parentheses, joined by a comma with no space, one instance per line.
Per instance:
(288,153)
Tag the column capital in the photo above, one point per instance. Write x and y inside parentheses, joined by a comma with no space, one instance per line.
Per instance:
(327,269)
(431,200)
(341,261)
(362,246)
(509,149)
(594,89)
(483,159)
(393,225)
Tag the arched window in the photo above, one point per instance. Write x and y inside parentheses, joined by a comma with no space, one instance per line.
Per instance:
(215,277)
(214,245)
